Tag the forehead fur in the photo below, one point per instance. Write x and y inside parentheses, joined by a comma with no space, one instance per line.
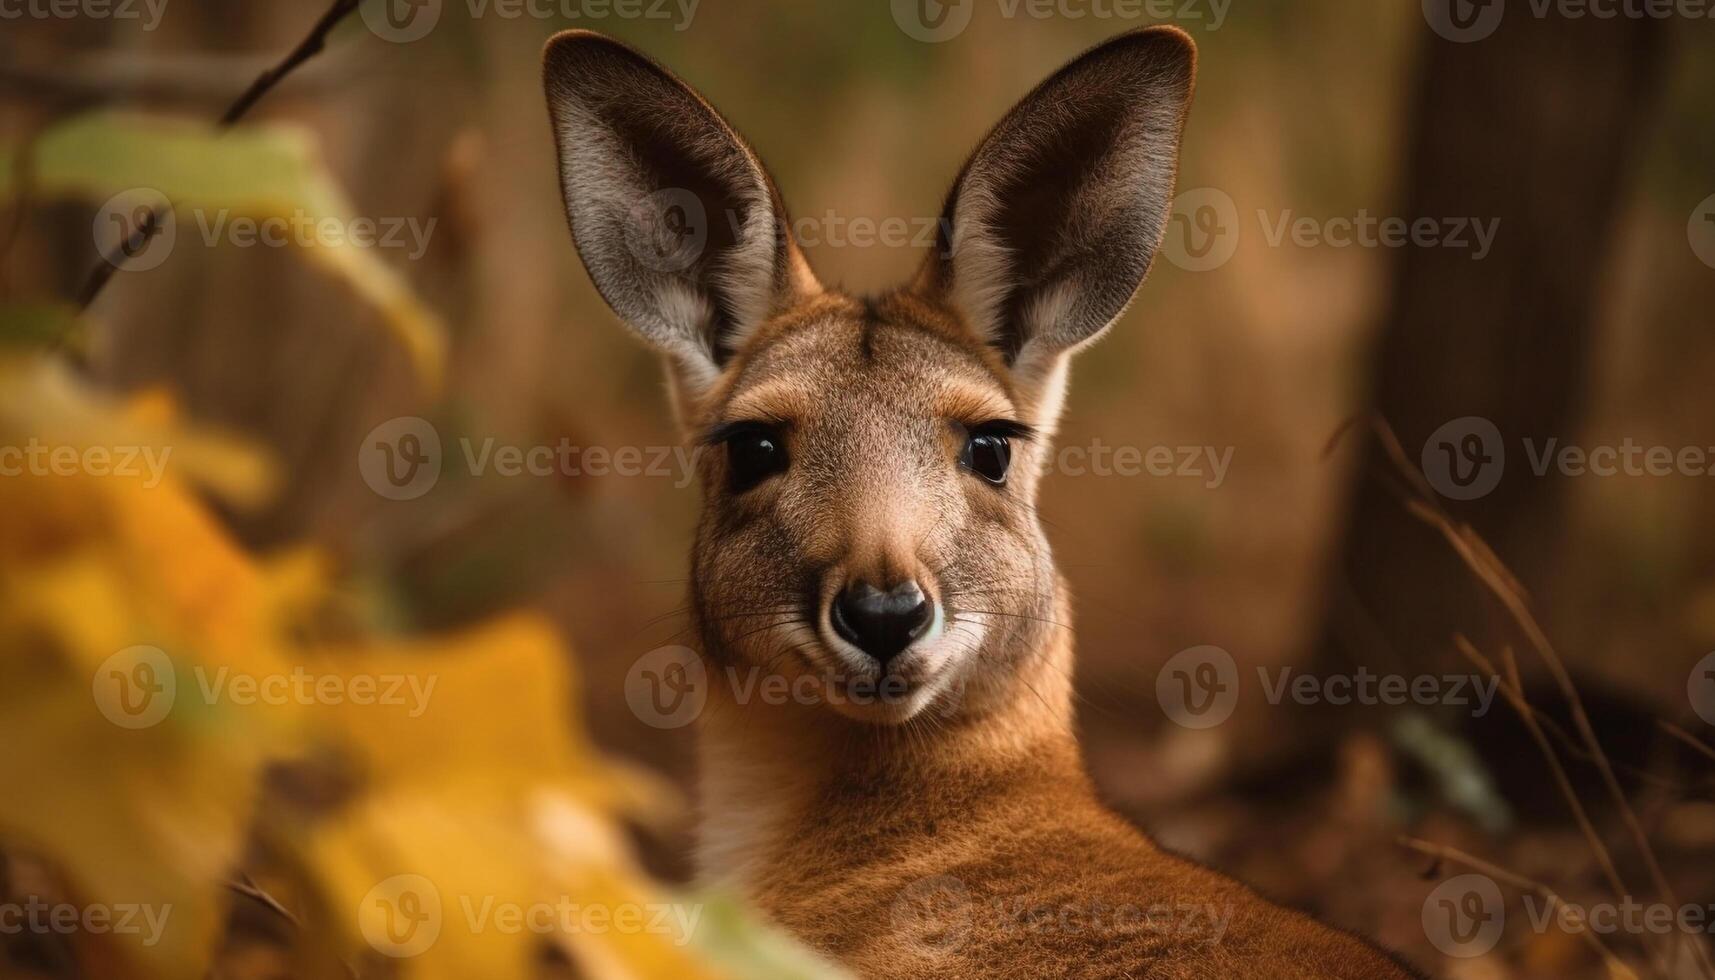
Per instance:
(895,351)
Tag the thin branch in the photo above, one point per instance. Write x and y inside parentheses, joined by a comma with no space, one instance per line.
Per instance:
(1515,696)
(1452,855)
(247,887)
(1493,573)
(312,44)
(1697,744)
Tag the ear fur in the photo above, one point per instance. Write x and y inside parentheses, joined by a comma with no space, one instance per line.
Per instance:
(1052,224)
(675,218)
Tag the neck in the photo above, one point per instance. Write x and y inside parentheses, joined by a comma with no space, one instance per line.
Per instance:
(773,774)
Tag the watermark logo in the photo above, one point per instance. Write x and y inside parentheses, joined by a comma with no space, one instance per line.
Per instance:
(933,21)
(1202,230)
(1700,688)
(36,916)
(1464,916)
(1199,687)
(305,230)
(667,230)
(400,459)
(935,913)
(136,687)
(401,916)
(134,229)
(403,459)
(939,915)
(667,687)
(1701,231)
(149,12)
(1464,21)
(37,458)
(401,21)
(1464,459)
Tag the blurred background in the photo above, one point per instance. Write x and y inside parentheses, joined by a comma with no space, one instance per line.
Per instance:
(1560,289)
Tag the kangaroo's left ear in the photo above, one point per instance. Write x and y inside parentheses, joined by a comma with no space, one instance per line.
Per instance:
(1051,226)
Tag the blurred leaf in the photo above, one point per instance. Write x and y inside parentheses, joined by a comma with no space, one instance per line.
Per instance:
(39,324)
(255,171)
(475,826)
(119,597)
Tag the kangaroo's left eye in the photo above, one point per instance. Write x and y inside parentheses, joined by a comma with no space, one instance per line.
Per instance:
(754,453)
(988,455)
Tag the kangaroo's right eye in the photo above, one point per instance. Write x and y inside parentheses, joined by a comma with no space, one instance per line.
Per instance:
(754,453)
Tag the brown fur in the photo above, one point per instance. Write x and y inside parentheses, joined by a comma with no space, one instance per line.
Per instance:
(951,833)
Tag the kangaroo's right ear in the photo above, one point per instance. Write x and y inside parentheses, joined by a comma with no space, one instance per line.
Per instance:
(680,227)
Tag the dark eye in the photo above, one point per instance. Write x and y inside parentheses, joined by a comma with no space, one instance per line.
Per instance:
(754,453)
(987,454)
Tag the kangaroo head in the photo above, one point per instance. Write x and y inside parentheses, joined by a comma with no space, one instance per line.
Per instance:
(870,482)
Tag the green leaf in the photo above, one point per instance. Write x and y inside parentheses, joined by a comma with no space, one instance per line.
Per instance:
(252,172)
(35,325)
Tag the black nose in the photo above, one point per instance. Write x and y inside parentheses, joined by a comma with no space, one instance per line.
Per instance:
(880,623)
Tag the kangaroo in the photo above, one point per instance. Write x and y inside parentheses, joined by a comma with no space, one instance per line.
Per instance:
(918,806)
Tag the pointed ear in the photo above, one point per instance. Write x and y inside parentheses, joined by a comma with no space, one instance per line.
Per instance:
(1052,224)
(680,227)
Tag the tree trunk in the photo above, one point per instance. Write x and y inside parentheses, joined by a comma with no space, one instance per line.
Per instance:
(1536,126)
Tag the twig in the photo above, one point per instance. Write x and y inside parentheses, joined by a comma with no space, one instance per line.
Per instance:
(1493,573)
(312,44)
(1453,855)
(246,886)
(1514,693)
(1697,744)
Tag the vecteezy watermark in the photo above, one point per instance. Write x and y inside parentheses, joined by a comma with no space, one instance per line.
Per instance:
(1466,916)
(405,914)
(933,21)
(1200,688)
(1464,21)
(1700,230)
(939,915)
(401,916)
(37,916)
(1700,688)
(35,458)
(304,230)
(668,688)
(402,459)
(1465,458)
(137,230)
(138,686)
(403,21)
(1207,463)
(666,231)
(1204,230)
(149,12)
(134,229)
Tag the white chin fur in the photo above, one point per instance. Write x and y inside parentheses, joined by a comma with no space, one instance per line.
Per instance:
(931,664)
